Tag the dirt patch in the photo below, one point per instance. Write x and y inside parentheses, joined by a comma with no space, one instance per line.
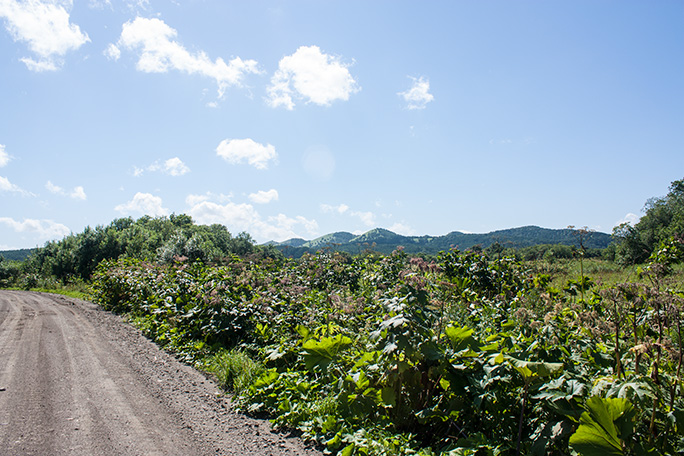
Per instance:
(77,380)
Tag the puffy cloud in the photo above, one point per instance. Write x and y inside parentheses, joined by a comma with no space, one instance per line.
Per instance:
(45,27)
(368,218)
(7,186)
(4,156)
(236,151)
(310,75)
(175,167)
(281,227)
(144,203)
(159,53)
(418,96)
(239,217)
(76,193)
(244,217)
(41,229)
(264,197)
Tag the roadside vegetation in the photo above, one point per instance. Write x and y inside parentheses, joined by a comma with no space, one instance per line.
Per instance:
(547,350)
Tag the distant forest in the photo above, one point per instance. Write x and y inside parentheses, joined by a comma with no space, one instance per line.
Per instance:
(178,238)
(510,241)
(16,255)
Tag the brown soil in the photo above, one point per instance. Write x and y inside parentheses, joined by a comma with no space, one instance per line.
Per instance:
(77,380)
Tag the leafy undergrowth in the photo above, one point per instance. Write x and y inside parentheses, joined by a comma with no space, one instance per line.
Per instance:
(397,355)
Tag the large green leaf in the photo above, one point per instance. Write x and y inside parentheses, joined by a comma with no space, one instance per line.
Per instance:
(603,427)
(321,353)
(461,337)
(530,369)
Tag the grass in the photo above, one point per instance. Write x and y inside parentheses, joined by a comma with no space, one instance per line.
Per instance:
(603,273)
(234,369)
(72,290)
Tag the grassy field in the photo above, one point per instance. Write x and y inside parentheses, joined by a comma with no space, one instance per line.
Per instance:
(603,273)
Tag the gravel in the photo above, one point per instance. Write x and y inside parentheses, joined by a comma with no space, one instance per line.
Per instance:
(77,380)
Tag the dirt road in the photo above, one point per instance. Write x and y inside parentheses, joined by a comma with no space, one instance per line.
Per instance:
(76,380)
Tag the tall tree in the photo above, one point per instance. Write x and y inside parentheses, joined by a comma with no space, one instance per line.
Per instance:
(663,220)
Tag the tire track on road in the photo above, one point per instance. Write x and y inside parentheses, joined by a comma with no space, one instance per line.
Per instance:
(76,380)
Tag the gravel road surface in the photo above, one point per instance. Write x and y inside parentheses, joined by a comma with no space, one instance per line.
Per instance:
(77,380)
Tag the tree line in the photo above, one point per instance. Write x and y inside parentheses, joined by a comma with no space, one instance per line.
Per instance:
(156,239)
(177,238)
(661,224)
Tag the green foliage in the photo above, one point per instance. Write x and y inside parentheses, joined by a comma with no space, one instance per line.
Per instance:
(162,239)
(9,272)
(663,220)
(235,370)
(462,354)
(604,428)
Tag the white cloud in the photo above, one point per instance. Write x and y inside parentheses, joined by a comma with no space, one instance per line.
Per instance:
(4,156)
(45,27)
(310,75)
(193,200)
(368,218)
(236,151)
(403,229)
(159,53)
(282,227)
(173,167)
(138,4)
(240,217)
(52,188)
(42,229)
(7,186)
(418,96)
(38,66)
(144,203)
(244,217)
(264,197)
(112,52)
(340,209)
(76,193)
(99,4)
(630,218)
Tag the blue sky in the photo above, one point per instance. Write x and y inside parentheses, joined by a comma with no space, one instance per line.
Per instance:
(300,118)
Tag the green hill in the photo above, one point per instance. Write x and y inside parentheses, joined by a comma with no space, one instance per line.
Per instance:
(16,255)
(341,238)
(385,241)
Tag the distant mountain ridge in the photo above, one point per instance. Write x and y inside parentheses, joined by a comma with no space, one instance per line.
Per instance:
(384,241)
(16,255)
